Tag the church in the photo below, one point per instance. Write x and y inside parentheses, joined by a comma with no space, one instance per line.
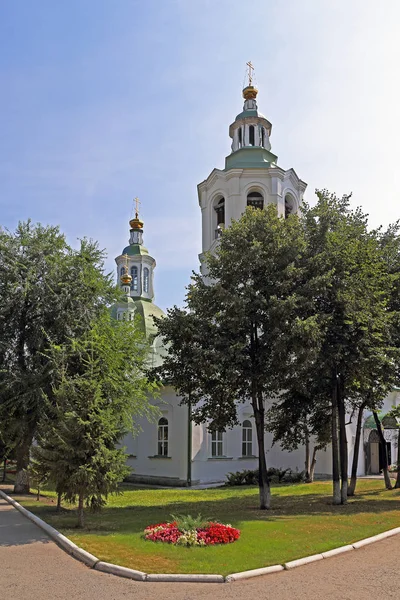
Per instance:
(175,451)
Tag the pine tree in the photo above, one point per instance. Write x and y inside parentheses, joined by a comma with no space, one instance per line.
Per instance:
(99,389)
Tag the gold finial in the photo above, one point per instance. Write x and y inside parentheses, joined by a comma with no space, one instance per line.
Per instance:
(250,73)
(250,91)
(136,223)
(126,279)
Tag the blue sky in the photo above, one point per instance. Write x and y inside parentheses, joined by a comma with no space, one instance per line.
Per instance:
(105,100)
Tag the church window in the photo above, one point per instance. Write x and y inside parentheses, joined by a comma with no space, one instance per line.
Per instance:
(146,275)
(251,135)
(263,137)
(122,271)
(217,443)
(134,275)
(255,199)
(220,213)
(240,137)
(162,437)
(247,438)
(289,206)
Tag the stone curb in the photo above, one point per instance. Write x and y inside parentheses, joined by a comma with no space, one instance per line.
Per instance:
(302,561)
(95,563)
(120,571)
(170,577)
(337,551)
(376,538)
(253,573)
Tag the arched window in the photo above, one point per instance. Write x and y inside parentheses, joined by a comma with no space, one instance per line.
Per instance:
(251,135)
(289,206)
(220,213)
(145,280)
(240,137)
(122,271)
(217,444)
(162,437)
(134,275)
(247,438)
(255,199)
(262,137)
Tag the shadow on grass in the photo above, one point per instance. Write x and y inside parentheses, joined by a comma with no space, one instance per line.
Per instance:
(234,509)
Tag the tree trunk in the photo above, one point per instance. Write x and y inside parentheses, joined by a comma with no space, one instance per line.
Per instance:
(385,469)
(307,464)
(263,482)
(21,485)
(354,466)
(312,466)
(59,496)
(397,484)
(344,457)
(335,446)
(81,511)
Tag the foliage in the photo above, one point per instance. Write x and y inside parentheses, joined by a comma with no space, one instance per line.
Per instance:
(99,388)
(251,476)
(49,293)
(186,522)
(239,333)
(346,291)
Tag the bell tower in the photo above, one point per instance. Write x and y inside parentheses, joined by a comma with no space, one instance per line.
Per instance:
(251,176)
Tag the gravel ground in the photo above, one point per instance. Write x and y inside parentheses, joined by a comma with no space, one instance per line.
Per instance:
(32,566)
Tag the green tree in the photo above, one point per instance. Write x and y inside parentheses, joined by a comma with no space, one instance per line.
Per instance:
(299,417)
(49,293)
(99,390)
(239,327)
(349,293)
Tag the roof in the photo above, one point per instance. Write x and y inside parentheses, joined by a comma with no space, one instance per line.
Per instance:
(146,310)
(387,421)
(134,250)
(250,113)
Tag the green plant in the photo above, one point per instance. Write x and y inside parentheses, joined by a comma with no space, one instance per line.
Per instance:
(187,522)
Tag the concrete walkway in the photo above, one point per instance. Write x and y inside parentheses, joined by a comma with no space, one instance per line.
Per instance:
(32,566)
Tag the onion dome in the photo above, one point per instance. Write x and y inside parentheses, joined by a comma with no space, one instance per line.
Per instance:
(250,92)
(136,223)
(126,279)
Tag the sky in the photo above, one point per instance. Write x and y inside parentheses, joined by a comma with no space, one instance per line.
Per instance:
(104,100)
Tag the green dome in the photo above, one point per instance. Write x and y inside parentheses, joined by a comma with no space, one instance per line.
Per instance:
(147,310)
(135,249)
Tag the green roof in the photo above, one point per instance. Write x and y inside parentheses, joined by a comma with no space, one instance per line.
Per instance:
(250,157)
(250,113)
(387,421)
(134,250)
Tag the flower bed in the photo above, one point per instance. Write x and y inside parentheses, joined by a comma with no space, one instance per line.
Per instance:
(209,534)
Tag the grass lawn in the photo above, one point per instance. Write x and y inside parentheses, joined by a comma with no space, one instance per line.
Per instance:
(301,522)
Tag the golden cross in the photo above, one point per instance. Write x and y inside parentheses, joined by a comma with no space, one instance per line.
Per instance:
(126,262)
(137,202)
(251,68)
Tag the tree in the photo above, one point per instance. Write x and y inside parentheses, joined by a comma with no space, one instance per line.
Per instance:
(349,293)
(49,293)
(301,414)
(99,389)
(239,327)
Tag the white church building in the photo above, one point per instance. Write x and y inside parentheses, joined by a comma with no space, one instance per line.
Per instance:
(174,451)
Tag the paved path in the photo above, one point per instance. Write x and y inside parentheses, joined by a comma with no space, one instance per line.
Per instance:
(32,566)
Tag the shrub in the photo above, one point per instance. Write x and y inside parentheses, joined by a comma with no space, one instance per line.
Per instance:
(275,475)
